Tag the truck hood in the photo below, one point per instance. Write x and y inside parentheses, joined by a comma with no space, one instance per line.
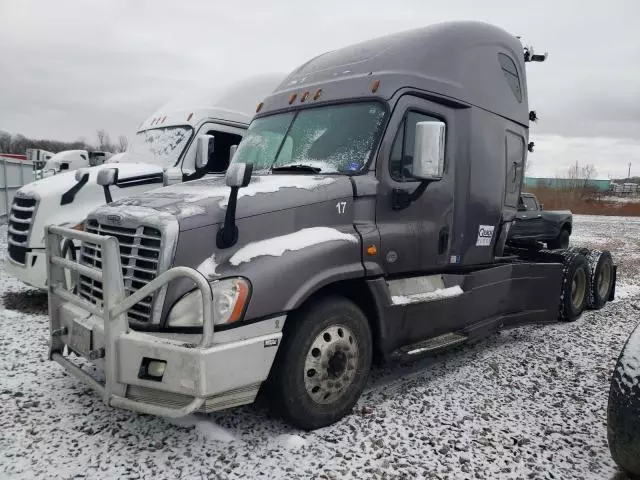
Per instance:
(203,202)
(63,201)
(54,186)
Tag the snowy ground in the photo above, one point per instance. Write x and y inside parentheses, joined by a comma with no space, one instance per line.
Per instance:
(528,403)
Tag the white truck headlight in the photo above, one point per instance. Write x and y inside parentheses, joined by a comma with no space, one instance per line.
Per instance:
(230,297)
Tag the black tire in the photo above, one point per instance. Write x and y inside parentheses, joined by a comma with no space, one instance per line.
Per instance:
(601,278)
(561,242)
(576,280)
(623,410)
(288,385)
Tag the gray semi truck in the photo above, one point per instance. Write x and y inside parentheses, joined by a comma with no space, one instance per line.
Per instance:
(363,218)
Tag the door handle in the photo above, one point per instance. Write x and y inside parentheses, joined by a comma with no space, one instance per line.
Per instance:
(443,240)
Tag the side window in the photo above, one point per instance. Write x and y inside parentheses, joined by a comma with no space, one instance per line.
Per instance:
(401,160)
(219,158)
(64,166)
(511,74)
(530,203)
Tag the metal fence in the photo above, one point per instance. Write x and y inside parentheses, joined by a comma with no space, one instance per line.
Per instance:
(13,175)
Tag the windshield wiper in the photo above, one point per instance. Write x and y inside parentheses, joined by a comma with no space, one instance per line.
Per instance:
(298,167)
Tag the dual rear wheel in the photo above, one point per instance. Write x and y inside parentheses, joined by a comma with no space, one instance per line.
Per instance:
(587,282)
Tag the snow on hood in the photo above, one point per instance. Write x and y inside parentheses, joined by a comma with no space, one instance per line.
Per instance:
(203,202)
(62,182)
(277,246)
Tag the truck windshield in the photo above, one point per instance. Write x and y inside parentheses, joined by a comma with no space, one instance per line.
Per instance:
(332,139)
(159,146)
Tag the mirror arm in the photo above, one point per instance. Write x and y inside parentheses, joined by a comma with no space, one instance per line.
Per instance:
(107,194)
(228,235)
(401,199)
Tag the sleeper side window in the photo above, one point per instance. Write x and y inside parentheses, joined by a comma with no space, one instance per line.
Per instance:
(511,74)
(401,159)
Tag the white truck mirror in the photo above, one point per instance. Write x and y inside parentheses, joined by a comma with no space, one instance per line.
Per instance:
(238,175)
(428,152)
(204,148)
(107,176)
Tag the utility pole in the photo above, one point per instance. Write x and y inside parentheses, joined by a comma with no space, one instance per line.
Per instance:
(629,174)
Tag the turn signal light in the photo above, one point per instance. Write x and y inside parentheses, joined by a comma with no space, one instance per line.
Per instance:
(372,250)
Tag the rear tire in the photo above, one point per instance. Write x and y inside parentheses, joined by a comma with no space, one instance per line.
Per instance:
(323,363)
(623,410)
(576,280)
(561,242)
(601,279)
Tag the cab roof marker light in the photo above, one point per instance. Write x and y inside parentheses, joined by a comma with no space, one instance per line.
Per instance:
(259,107)
(304,97)
(189,117)
(292,98)
(164,118)
(317,95)
(375,85)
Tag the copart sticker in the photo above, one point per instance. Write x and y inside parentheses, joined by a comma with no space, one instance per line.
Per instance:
(485,235)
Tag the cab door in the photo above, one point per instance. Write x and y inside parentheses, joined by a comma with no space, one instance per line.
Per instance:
(529,223)
(414,237)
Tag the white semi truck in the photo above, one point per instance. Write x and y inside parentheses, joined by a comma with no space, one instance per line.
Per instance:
(70,160)
(177,143)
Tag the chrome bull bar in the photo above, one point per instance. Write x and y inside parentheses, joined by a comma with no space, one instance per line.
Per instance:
(114,314)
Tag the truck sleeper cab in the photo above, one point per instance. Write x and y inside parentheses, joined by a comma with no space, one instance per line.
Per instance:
(364,215)
(164,149)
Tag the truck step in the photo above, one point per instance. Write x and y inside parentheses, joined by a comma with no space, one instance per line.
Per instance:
(429,345)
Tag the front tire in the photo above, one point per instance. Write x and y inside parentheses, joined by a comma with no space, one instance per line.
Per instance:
(623,410)
(323,363)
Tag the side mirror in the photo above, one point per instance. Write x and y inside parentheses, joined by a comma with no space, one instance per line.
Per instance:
(238,175)
(541,207)
(107,177)
(204,148)
(80,173)
(428,152)
(232,152)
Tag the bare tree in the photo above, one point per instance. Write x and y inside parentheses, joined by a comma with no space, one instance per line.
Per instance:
(579,179)
(123,143)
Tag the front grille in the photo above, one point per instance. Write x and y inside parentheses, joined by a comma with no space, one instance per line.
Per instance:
(20,218)
(140,257)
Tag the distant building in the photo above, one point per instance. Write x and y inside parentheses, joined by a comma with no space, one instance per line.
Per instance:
(558,183)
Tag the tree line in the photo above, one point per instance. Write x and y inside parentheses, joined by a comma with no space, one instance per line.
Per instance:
(19,144)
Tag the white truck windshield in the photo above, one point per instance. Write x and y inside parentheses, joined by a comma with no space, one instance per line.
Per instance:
(331,139)
(159,146)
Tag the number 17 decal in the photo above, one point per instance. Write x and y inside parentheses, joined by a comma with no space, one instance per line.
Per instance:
(341,206)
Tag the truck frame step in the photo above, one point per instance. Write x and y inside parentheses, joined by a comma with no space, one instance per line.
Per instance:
(429,345)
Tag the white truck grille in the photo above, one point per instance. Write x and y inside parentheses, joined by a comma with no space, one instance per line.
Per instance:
(140,258)
(20,220)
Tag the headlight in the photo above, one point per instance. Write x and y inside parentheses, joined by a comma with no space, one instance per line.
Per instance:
(230,297)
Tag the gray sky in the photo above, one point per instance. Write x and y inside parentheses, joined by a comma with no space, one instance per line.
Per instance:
(70,67)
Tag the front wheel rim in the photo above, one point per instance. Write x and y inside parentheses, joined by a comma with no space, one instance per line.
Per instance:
(331,363)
